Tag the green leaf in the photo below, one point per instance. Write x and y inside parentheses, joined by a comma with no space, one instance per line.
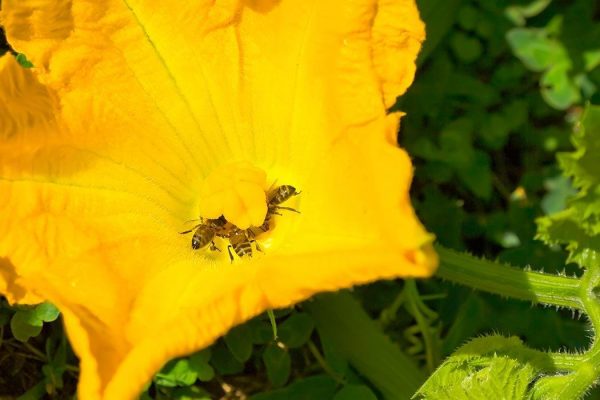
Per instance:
(239,342)
(296,330)
(260,331)
(35,393)
(469,320)
(477,175)
(558,89)
(53,378)
(46,312)
(355,392)
(515,114)
(57,360)
(223,361)
(25,324)
(535,49)
(473,89)
(439,16)
(559,190)
(320,387)
(146,396)
(336,361)
(591,59)
(518,14)
(176,373)
(466,48)
(199,364)
(5,315)
(22,59)
(456,147)
(491,367)
(494,131)
(468,16)
(278,363)
(190,393)
(442,215)
(28,321)
(579,225)
(281,394)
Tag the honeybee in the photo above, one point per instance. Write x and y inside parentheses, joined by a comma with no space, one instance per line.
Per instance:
(205,232)
(240,240)
(241,243)
(281,194)
(275,197)
(221,226)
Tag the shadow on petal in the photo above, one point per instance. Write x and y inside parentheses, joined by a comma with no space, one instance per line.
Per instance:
(10,286)
(261,6)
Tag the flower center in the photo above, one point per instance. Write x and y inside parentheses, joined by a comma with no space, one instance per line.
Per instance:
(235,191)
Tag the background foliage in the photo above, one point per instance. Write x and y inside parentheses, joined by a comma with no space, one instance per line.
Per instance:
(499,87)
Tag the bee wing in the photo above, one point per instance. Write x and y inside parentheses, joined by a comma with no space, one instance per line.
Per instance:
(270,189)
(192,228)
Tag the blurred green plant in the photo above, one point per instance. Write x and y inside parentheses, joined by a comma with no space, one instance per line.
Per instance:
(31,361)
(506,367)
(564,48)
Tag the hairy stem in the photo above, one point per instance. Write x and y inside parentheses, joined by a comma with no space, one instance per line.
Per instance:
(505,280)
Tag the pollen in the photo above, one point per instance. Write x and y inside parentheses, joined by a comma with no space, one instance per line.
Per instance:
(237,192)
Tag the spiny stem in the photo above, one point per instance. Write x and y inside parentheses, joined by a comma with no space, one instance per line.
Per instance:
(509,281)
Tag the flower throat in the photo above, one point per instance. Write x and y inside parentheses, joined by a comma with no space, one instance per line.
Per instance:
(236,207)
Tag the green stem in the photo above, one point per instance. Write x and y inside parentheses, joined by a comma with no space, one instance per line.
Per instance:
(589,296)
(388,314)
(417,309)
(35,351)
(509,281)
(273,321)
(323,363)
(358,339)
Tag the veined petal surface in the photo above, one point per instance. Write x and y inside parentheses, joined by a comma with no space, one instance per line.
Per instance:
(132,104)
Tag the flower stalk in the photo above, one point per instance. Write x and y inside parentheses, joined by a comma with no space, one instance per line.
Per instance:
(373,354)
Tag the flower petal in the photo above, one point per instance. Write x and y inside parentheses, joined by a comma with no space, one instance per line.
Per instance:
(358,196)
(147,98)
(395,46)
(24,101)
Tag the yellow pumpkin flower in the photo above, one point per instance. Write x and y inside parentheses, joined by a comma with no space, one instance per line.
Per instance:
(140,116)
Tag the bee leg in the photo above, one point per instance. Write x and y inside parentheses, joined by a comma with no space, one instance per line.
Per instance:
(229,251)
(188,231)
(286,208)
(214,247)
(257,246)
